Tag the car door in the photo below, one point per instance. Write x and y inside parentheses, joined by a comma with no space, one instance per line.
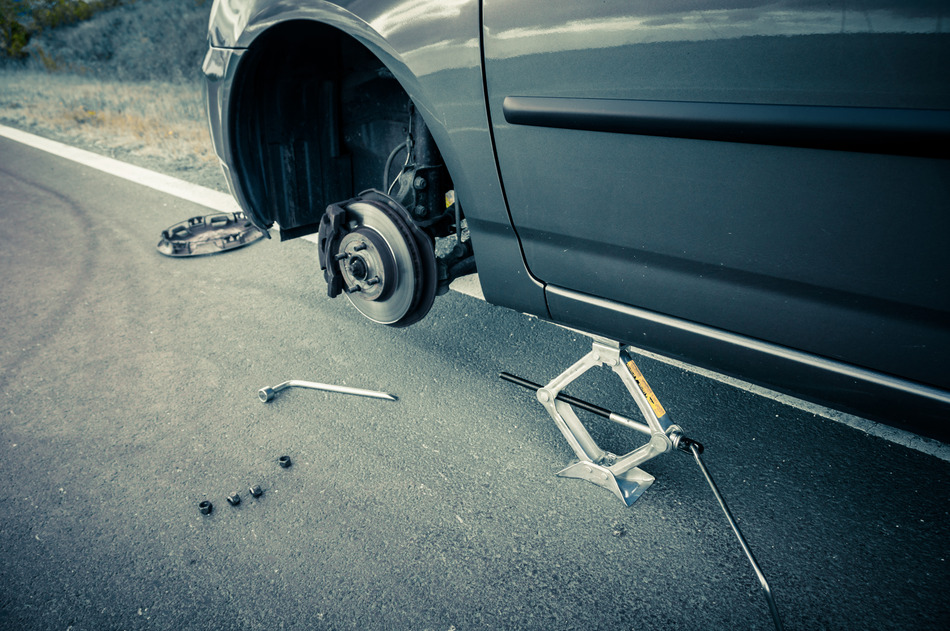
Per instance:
(774,169)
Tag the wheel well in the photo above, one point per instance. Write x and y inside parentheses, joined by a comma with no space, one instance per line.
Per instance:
(314,117)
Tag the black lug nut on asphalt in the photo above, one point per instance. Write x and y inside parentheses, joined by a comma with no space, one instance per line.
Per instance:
(284,461)
(234,499)
(205,507)
(256,491)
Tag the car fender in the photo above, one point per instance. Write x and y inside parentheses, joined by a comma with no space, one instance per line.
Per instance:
(433,49)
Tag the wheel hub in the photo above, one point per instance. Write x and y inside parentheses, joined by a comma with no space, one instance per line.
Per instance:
(372,252)
(368,265)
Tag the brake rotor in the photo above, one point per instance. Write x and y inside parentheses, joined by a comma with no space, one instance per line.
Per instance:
(387,264)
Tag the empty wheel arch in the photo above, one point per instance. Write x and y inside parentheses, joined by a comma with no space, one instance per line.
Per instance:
(316,118)
(313,113)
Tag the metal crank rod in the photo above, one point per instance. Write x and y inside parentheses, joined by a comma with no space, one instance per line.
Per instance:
(766,590)
(679,441)
(619,474)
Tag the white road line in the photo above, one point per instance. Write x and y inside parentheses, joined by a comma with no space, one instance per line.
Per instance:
(223,202)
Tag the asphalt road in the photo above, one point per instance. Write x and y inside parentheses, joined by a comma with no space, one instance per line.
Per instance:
(128,393)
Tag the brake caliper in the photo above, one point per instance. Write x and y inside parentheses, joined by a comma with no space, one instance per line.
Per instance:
(332,231)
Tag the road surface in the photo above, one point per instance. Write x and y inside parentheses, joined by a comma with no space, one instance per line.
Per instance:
(128,394)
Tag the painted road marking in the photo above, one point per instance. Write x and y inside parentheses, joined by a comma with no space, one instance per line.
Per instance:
(221,202)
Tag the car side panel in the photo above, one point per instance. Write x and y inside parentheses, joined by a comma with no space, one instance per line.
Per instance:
(799,242)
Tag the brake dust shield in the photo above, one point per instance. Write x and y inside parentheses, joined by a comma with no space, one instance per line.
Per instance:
(210,234)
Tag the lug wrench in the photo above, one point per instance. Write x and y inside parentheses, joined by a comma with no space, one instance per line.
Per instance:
(267,394)
(681,443)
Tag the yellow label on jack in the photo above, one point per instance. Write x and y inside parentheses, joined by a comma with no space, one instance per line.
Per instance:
(646,389)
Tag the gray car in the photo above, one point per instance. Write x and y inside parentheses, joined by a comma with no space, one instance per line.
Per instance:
(758,187)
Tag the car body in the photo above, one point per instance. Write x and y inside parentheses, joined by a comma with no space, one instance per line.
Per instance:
(760,188)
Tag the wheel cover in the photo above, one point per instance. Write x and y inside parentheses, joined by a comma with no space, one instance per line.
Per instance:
(387,264)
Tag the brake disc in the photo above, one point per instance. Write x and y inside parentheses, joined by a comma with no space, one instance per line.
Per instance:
(387,264)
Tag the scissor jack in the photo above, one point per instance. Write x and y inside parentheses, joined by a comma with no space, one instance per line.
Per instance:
(621,474)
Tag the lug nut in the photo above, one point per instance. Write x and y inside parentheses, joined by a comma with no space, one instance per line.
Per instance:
(256,491)
(205,507)
(284,461)
(234,499)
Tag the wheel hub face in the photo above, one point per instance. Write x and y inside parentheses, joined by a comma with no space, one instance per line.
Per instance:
(368,265)
(387,265)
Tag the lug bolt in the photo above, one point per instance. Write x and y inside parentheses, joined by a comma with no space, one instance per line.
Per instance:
(255,491)
(341,256)
(234,499)
(359,247)
(284,461)
(205,507)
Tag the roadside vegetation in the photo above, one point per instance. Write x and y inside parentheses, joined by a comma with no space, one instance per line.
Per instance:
(119,77)
(20,20)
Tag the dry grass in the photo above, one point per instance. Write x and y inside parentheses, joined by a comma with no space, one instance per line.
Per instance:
(125,84)
(148,120)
